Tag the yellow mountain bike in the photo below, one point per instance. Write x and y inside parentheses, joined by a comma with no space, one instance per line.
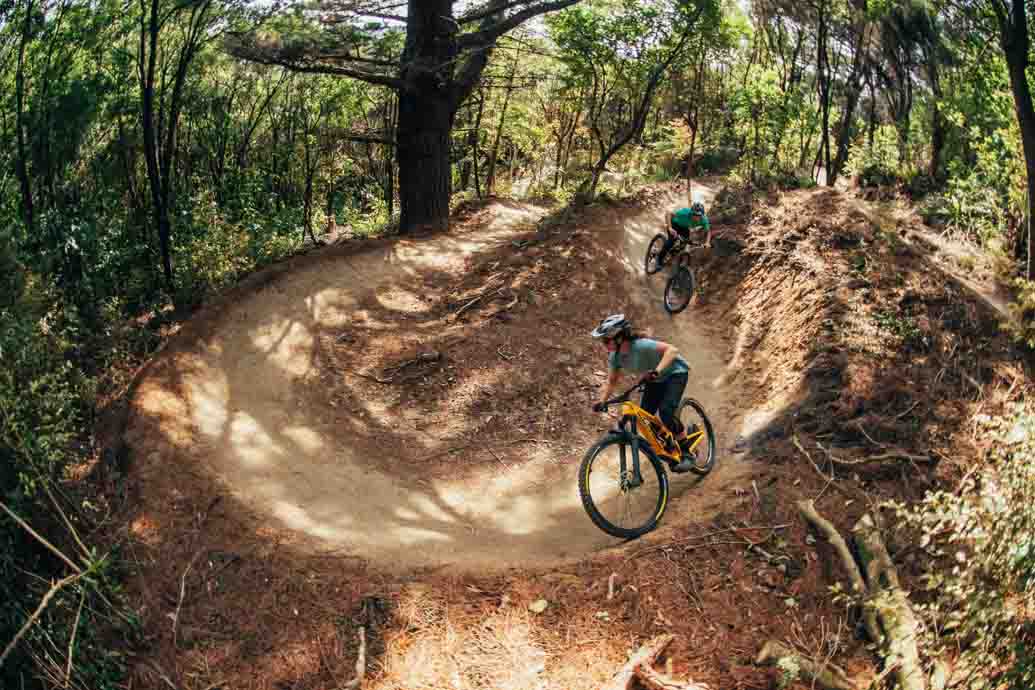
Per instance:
(624,497)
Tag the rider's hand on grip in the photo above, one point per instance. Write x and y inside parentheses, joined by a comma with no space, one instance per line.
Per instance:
(599,407)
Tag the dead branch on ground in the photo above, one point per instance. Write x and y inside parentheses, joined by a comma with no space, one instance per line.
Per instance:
(361,662)
(54,589)
(639,668)
(389,373)
(825,675)
(476,444)
(183,593)
(71,642)
(53,549)
(887,614)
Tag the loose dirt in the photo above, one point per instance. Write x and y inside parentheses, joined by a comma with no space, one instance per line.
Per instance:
(423,402)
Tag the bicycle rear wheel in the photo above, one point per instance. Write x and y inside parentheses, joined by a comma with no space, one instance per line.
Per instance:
(612,504)
(699,429)
(679,290)
(650,262)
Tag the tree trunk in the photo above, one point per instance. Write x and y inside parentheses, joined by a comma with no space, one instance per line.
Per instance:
(427,106)
(1016,46)
(846,131)
(490,175)
(22,167)
(823,79)
(466,166)
(425,177)
(844,135)
(389,187)
(476,143)
(148,58)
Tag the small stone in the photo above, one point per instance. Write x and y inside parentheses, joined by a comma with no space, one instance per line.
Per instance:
(538,606)
(1017,434)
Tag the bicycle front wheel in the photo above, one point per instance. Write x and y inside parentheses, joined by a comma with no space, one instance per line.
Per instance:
(609,496)
(679,290)
(650,263)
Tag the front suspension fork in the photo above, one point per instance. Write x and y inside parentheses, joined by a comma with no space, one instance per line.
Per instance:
(627,427)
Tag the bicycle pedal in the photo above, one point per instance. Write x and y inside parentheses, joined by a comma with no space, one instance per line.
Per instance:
(682,467)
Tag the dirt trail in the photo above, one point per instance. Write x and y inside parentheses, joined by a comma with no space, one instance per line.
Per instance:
(234,403)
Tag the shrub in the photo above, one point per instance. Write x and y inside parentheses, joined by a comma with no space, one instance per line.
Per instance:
(876,164)
(982,540)
(1021,321)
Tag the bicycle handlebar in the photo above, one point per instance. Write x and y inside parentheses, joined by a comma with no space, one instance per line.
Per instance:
(621,398)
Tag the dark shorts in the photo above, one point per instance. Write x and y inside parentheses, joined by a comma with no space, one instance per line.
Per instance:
(663,398)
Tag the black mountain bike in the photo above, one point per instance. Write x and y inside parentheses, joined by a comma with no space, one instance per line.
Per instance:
(680,287)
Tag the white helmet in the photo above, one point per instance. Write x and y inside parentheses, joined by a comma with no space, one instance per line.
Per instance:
(612,326)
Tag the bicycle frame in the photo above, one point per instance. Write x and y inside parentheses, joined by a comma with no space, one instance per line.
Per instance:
(639,425)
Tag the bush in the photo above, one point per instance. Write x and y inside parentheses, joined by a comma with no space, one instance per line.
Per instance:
(717,160)
(878,164)
(46,402)
(982,541)
(1021,321)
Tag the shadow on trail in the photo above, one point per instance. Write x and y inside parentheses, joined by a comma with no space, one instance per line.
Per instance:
(251,402)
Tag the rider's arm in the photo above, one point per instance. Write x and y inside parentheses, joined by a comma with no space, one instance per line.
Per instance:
(708,228)
(668,222)
(609,384)
(668,356)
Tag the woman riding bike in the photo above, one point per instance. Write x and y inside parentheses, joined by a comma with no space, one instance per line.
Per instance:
(665,372)
(680,222)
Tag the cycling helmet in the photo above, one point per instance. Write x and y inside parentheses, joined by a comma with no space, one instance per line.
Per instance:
(612,326)
(697,209)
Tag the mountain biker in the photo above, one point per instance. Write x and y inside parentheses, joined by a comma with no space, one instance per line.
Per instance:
(680,222)
(665,373)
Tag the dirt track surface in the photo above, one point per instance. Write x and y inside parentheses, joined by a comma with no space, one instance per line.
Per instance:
(235,408)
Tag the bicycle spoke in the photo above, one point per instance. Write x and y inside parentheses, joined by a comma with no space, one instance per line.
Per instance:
(626,508)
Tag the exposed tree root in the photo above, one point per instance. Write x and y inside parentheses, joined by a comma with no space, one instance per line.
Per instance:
(887,615)
(639,668)
(826,675)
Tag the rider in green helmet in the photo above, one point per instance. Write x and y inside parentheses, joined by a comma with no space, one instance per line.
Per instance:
(681,222)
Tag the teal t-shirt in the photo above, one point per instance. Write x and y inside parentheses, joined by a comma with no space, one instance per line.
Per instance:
(643,356)
(683,219)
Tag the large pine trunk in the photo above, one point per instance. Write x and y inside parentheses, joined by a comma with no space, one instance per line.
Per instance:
(425,175)
(427,106)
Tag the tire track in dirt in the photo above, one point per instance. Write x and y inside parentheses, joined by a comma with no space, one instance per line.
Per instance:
(231,404)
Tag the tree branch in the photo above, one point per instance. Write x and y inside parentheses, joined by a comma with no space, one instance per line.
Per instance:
(490,34)
(489,10)
(54,589)
(272,59)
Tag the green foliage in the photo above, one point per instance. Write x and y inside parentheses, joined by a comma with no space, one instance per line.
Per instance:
(790,672)
(876,164)
(1020,323)
(903,327)
(981,537)
(45,403)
